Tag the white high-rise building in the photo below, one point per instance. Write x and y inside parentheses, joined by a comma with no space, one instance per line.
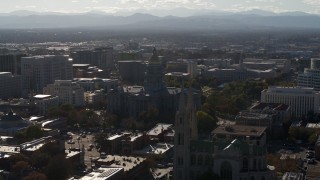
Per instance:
(39,71)
(301,100)
(311,77)
(67,91)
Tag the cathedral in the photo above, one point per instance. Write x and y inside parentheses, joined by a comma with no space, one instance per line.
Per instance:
(232,159)
(131,101)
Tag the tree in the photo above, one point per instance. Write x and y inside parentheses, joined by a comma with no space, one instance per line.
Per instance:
(58,168)
(21,167)
(32,132)
(35,176)
(16,158)
(206,123)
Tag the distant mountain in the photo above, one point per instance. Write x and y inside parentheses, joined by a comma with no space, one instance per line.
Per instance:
(206,20)
(258,12)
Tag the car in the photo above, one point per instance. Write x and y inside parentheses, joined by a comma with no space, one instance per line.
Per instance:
(89,149)
(83,136)
(103,155)
(70,142)
(78,138)
(311,161)
(91,145)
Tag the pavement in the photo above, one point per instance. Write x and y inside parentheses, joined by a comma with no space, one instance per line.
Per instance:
(84,142)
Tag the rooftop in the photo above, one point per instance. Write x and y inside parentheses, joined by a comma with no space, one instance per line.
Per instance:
(125,162)
(115,136)
(102,173)
(156,149)
(313,125)
(158,129)
(9,149)
(42,96)
(240,130)
(290,90)
(273,106)
(292,175)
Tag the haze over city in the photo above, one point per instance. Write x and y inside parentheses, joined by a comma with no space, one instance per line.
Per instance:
(159,7)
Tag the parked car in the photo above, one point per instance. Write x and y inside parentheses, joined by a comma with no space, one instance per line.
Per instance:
(70,142)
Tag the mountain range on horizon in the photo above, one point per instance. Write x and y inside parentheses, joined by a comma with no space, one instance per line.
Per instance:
(205,20)
(179,12)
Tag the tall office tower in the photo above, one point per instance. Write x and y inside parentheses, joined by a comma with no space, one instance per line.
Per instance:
(311,77)
(101,57)
(301,100)
(10,86)
(67,91)
(11,63)
(132,71)
(153,81)
(39,71)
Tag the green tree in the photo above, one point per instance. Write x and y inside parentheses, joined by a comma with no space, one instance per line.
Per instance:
(35,176)
(206,123)
(58,168)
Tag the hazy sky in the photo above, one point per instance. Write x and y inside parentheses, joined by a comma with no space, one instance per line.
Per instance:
(112,6)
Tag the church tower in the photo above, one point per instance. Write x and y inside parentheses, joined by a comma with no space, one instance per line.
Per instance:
(153,81)
(185,131)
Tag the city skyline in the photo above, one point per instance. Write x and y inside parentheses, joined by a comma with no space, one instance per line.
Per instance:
(189,7)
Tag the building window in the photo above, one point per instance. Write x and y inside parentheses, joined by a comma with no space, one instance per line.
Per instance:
(245,164)
(200,160)
(180,161)
(180,139)
(193,159)
(254,166)
(207,160)
(226,171)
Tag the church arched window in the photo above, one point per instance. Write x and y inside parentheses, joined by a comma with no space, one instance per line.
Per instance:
(245,164)
(200,160)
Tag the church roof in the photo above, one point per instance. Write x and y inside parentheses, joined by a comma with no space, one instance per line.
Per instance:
(209,146)
(10,117)
(11,120)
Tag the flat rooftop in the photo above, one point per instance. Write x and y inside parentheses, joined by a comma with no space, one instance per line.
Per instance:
(80,65)
(158,129)
(156,149)
(125,162)
(115,136)
(42,96)
(273,106)
(10,149)
(102,173)
(240,130)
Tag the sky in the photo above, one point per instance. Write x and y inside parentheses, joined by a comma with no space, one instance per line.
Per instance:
(116,6)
